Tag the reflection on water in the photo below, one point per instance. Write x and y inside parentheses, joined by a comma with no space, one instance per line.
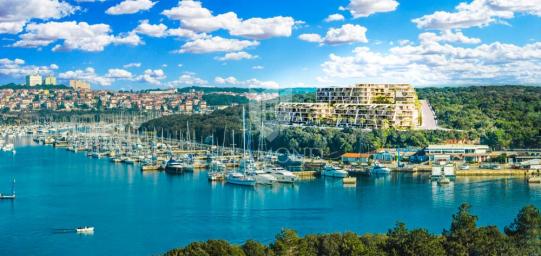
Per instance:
(57,188)
(444,194)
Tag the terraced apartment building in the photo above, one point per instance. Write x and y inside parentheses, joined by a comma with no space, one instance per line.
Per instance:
(371,106)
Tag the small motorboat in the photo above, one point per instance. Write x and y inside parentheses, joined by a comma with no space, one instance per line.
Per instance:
(332,171)
(85,230)
(379,169)
(443,180)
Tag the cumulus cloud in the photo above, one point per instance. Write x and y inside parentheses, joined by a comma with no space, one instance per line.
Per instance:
(231,80)
(437,63)
(87,74)
(14,14)
(345,34)
(215,44)
(236,56)
(448,36)
(193,16)
(118,73)
(17,68)
(187,79)
(334,17)
(365,8)
(478,13)
(158,30)
(152,76)
(130,7)
(80,36)
(133,64)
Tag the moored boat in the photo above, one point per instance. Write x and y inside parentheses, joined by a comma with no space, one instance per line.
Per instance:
(333,171)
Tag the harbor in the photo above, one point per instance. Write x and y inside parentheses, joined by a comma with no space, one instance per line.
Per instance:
(57,188)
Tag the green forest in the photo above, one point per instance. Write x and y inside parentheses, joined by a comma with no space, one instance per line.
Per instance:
(464,237)
(501,117)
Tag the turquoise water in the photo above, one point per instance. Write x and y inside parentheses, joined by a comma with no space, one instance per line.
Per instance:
(148,213)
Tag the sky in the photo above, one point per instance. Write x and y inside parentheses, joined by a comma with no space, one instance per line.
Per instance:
(139,44)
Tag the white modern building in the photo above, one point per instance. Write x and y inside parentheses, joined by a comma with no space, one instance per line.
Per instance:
(33,80)
(466,152)
(372,106)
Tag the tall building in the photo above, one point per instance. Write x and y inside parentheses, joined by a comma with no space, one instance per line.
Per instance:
(372,106)
(33,80)
(49,80)
(79,85)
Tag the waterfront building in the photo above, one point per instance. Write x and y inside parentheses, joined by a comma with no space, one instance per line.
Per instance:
(33,80)
(468,153)
(49,80)
(79,85)
(355,158)
(372,106)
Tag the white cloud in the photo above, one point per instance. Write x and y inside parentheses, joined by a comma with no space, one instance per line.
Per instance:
(73,35)
(133,64)
(14,14)
(365,8)
(118,73)
(181,32)
(17,68)
(187,79)
(193,16)
(145,28)
(347,33)
(448,36)
(89,75)
(478,13)
(258,67)
(437,63)
(334,17)
(216,44)
(312,38)
(130,7)
(246,83)
(152,76)
(236,56)
(259,28)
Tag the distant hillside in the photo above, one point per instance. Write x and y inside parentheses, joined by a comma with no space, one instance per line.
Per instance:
(501,116)
(281,91)
(37,87)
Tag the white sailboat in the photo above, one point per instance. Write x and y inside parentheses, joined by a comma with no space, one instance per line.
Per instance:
(240,177)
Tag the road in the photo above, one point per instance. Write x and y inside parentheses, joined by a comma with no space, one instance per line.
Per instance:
(429,119)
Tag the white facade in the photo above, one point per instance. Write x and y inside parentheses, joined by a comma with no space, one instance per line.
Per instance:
(453,149)
(33,80)
(49,80)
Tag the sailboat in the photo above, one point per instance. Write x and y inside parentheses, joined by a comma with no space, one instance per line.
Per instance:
(240,177)
(12,196)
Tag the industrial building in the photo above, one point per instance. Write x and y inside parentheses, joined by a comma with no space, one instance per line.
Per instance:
(372,106)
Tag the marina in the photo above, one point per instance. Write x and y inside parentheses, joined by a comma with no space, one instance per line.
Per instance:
(59,188)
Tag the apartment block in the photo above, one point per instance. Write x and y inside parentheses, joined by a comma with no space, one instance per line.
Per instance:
(33,80)
(372,106)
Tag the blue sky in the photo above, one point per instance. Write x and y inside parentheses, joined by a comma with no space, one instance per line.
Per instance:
(136,44)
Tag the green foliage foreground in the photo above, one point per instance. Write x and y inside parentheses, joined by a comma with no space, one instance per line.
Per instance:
(522,237)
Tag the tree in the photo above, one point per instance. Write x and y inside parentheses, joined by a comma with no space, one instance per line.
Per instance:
(286,243)
(254,248)
(525,231)
(402,242)
(459,240)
